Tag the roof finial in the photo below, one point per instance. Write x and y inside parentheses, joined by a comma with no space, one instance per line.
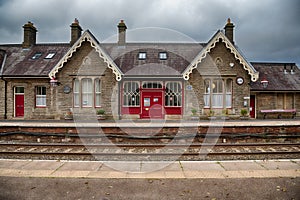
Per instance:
(76,21)
(228,21)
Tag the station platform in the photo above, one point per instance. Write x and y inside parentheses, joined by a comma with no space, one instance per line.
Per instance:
(151,170)
(150,123)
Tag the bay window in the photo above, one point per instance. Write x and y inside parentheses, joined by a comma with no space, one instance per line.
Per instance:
(217,93)
(87,92)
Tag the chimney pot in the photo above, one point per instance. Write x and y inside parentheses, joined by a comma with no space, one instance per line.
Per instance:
(229,30)
(75,31)
(29,35)
(122,33)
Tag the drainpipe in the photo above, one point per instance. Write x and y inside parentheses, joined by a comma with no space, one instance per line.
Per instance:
(5,86)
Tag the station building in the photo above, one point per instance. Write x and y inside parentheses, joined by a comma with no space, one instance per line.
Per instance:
(140,80)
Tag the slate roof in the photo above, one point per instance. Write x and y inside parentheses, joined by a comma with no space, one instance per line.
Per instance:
(179,56)
(278,80)
(19,62)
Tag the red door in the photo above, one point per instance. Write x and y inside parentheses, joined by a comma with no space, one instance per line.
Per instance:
(252,106)
(152,105)
(19,105)
(19,101)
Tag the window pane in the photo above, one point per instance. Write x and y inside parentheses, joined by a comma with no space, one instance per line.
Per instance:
(228,85)
(173,96)
(19,90)
(217,100)
(87,94)
(76,93)
(97,93)
(131,94)
(40,96)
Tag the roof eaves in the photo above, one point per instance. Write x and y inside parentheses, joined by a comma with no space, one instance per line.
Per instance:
(87,36)
(233,49)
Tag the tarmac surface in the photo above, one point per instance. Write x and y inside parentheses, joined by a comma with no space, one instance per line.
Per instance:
(244,179)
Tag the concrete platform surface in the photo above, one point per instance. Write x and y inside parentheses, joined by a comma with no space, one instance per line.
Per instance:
(150,123)
(162,170)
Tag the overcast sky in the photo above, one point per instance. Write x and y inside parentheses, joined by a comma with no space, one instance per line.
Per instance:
(265,30)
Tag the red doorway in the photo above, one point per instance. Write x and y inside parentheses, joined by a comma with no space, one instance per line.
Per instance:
(152,107)
(19,101)
(252,106)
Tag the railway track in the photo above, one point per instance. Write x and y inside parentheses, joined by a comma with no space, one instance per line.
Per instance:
(204,151)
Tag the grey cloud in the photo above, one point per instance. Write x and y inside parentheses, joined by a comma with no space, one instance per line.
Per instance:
(266,30)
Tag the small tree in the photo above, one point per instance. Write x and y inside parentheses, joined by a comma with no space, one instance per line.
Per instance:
(244,112)
(194,111)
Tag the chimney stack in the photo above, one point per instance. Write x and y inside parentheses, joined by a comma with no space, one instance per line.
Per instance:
(75,31)
(29,35)
(122,33)
(229,30)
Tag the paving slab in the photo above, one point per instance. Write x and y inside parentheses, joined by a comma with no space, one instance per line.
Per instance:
(174,174)
(80,166)
(13,164)
(194,174)
(157,166)
(242,165)
(232,174)
(66,174)
(129,166)
(213,174)
(42,164)
(107,174)
(203,166)
(279,165)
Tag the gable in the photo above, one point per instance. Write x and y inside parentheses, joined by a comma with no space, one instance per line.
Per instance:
(87,36)
(219,36)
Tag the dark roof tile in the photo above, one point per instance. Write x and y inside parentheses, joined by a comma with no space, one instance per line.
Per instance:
(179,56)
(278,80)
(19,61)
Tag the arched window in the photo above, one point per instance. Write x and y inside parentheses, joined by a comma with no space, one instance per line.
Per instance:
(173,94)
(87,92)
(206,95)
(76,93)
(131,93)
(217,93)
(228,93)
(97,92)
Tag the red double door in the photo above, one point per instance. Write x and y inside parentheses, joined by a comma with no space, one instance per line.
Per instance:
(152,105)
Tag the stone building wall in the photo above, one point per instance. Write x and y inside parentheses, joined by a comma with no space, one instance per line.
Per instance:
(85,63)
(276,100)
(30,109)
(216,66)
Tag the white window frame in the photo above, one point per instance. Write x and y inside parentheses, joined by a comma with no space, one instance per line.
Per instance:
(87,92)
(50,55)
(97,92)
(40,96)
(131,89)
(175,94)
(142,55)
(76,93)
(163,56)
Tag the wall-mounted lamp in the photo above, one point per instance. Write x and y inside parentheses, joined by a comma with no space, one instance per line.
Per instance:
(54,82)
(231,64)
(264,82)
